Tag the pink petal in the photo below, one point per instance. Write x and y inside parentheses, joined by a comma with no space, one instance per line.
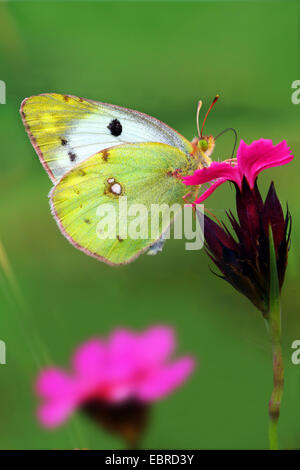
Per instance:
(130,353)
(210,190)
(260,155)
(121,392)
(88,360)
(133,356)
(122,341)
(164,380)
(55,413)
(53,383)
(155,346)
(214,171)
(122,355)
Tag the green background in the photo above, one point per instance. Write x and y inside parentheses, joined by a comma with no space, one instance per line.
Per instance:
(159,58)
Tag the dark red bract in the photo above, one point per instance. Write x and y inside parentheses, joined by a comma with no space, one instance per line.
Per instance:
(243,258)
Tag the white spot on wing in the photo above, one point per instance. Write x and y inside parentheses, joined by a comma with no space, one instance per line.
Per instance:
(116,188)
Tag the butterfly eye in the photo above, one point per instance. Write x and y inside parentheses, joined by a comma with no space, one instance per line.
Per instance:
(203,145)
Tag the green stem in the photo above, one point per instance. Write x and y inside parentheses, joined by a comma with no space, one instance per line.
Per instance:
(275,401)
(274,323)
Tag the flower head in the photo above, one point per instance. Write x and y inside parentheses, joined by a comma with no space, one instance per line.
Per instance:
(251,160)
(244,260)
(130,369)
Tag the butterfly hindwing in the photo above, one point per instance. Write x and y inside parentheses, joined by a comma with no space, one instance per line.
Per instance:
(144,173)
(65,130)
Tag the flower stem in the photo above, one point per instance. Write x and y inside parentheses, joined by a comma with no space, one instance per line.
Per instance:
(274,322)
(275,401)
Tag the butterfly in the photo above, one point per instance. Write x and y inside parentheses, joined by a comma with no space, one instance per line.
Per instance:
(94,153)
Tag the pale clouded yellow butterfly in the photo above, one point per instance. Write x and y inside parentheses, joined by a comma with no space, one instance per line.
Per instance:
(95,153)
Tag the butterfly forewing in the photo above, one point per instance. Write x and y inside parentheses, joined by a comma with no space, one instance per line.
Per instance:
(144,173)
(65,130)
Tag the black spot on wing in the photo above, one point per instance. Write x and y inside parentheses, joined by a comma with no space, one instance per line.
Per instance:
(115,127)
(63,141)
(72,156)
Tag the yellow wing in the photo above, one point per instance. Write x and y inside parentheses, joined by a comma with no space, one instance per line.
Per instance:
(146,174)
(65,130)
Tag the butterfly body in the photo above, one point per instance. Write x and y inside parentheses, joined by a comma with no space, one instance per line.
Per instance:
(96,153)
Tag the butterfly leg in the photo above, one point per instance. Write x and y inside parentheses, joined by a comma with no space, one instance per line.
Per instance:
(196,192)
(186,196)
(213,216)
(191,193)
(231,160)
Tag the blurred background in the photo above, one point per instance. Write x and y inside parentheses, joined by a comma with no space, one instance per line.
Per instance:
(159,58)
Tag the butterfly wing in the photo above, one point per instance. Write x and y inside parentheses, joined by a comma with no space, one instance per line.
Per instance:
(145,173)
(66,130)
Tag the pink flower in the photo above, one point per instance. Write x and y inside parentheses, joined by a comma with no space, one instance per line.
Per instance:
(251,160)
(127,366)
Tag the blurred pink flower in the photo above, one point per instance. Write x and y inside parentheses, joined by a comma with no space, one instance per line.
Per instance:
(251,160)
(127,366)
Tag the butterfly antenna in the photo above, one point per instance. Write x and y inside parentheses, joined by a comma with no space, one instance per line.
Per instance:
(198,112)
(235,137)
(211,106)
